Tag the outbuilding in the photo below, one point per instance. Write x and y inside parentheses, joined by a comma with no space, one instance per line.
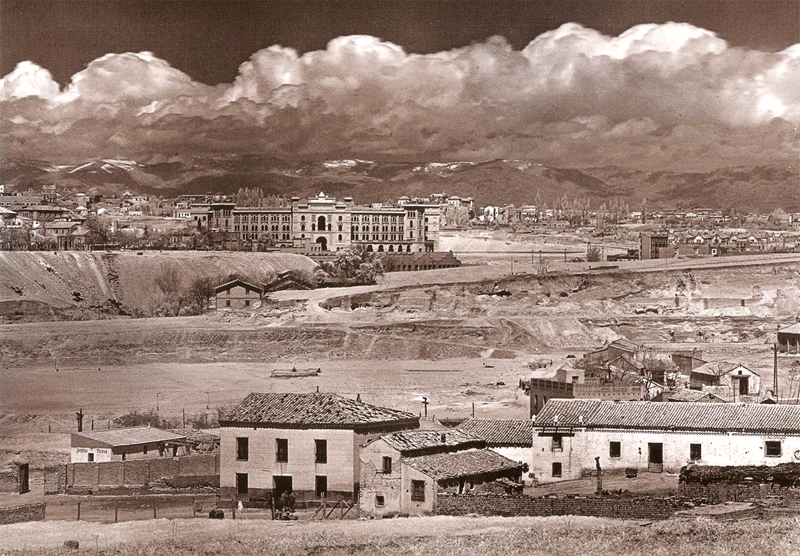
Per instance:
(512,438)
(238,295)
(123,444)
(789,339)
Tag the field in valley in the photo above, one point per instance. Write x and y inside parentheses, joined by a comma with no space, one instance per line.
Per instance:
(552,536)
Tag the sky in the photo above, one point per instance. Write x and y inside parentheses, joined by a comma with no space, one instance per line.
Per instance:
(657,84)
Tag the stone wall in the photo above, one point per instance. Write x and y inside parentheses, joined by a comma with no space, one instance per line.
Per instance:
(19,514)
(718,493)
(9,480)
(500,505)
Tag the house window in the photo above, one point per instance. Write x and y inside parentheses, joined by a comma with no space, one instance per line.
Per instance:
(695,452)
(380,500)
(91,456)
(281,450)
(418,491)
(772,448)
(145,448)
(241,483)
(557,445)
(242,449)
(227,303)
(247,303)
(320,451)
(321,486)
(556,469)
(387,465)
(615,449)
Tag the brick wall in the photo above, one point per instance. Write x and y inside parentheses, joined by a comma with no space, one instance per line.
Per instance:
(135,472)
(9,480)
(718,493)
(19,514)
(494,504)
(55,479)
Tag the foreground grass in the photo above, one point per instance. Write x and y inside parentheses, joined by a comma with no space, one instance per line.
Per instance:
(555,536)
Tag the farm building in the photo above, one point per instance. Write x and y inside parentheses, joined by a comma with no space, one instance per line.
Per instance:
(789,339)
(512,438)
(381,470)
(123,444)
(569,434)
(238,295)
(687,395)
(305,443)
(466,472)
(737,381)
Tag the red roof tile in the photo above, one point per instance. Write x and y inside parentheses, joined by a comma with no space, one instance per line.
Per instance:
(311,410)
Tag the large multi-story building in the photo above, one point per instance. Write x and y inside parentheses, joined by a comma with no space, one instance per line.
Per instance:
(330,224)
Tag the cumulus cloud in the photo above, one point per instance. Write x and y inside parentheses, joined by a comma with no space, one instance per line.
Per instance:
(662,96)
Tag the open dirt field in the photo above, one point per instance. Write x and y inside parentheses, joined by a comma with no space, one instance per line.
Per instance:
(551,536)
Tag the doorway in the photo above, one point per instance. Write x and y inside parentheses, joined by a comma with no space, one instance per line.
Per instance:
(323,243)
(281,484)
(655,460)
(23,477)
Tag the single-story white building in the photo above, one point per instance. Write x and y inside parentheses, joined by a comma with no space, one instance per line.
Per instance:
(569,434)
(122,444)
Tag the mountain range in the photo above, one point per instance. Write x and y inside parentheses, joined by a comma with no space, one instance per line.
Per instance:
(496,182)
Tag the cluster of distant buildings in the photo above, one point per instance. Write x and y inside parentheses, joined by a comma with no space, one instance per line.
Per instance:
(666,244)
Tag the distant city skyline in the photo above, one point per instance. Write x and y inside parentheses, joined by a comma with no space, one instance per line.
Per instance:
(678,85)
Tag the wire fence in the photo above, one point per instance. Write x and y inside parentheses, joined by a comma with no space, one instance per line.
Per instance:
(130,509)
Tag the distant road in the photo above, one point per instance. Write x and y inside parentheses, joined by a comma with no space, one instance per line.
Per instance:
(523,266)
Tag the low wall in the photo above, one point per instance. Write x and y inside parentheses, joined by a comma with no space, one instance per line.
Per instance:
(19,514)
(127,473)
(718,493)
(499,505)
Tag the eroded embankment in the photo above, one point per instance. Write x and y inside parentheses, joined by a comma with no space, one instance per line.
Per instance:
(79,285)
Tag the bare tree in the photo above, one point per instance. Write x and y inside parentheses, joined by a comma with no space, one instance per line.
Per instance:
(201,291)
(168,280)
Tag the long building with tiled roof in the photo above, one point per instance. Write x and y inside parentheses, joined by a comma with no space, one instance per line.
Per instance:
(569,434)
(305,443)
(409,443)
(464,464)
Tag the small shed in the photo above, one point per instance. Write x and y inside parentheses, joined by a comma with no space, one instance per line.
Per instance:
(121,444)
(238,295)
(789,339)
(466,472)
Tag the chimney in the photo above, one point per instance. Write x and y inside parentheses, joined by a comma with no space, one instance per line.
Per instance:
(580,419)
(555,419)
(444,437)
(358,398)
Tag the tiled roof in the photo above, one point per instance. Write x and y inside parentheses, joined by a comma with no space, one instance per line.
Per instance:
(461,464)
(670,416)
(501,432)
(233,283)
(793,329)
(131,436)
(686,395)
(311,410)
(412,441)
(624,344)
(718,368)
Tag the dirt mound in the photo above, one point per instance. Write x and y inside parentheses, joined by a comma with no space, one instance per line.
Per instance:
(77,285)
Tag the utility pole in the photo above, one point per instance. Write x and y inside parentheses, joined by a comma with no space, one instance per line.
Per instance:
(775,370)
(79,418)
(157,394)
(425,404)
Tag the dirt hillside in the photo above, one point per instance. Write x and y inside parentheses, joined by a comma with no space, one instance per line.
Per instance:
(74,285)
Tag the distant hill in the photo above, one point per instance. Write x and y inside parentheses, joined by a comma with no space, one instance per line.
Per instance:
(750,188)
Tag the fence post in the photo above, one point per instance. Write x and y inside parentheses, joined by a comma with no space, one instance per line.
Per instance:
(79,512)
(44,511)
(116,511)
(155,510)
(194,506)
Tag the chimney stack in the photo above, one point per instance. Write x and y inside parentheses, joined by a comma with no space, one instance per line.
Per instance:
(444,437)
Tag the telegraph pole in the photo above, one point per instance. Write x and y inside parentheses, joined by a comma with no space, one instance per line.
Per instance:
(425,404)
(775,369)
(79,418)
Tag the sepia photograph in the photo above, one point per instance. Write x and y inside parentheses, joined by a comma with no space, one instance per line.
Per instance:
(400,277)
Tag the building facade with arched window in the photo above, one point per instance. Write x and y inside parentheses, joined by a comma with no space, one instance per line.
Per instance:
(327,224)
